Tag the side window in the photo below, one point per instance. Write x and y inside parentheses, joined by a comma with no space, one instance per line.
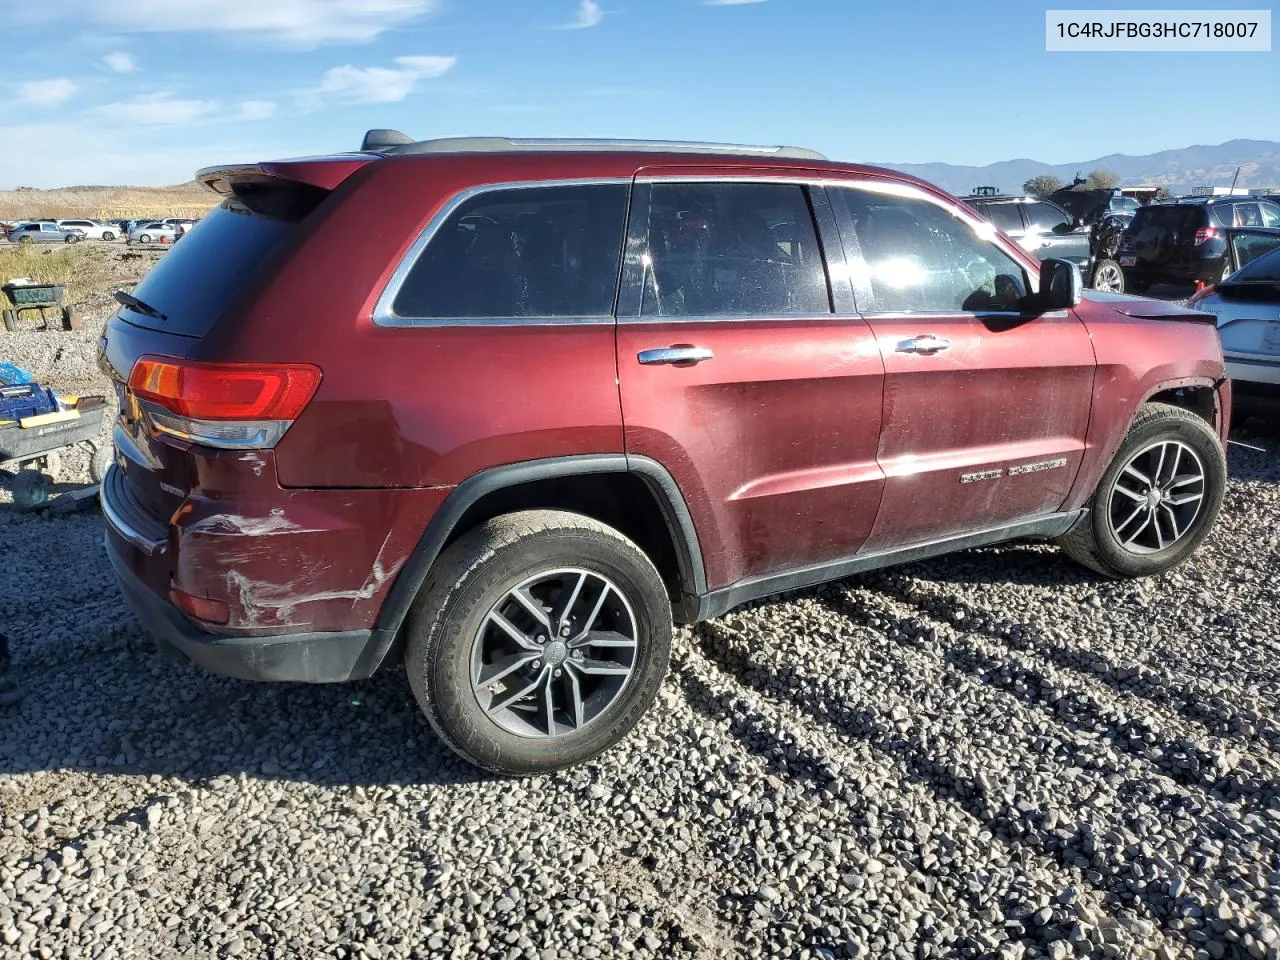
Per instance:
(1045,217)
(1005,216)
(1270,214)
(732,249)
(549,251)
(920,258)
(1248,215)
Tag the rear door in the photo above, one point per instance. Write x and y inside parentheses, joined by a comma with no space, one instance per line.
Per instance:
(985,409)
(740,373)
(1050,226)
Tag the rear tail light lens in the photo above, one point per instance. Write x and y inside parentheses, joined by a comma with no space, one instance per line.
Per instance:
(200,608)
(1205,233)
(231,405)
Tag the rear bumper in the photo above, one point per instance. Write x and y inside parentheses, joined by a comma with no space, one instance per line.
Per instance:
(300,657)
(1253,371)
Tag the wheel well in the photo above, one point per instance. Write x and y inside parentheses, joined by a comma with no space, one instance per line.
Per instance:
(625,501)
(1198,400)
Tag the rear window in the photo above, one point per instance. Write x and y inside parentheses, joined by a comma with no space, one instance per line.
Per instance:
(207,268)
(1168,216)
(1004,215)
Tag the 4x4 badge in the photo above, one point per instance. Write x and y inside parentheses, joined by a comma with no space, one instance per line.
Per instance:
(1013,471)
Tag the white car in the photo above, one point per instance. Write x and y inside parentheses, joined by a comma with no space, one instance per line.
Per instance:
(91,229)
(153,231)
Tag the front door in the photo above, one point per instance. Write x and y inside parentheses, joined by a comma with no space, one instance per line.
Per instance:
(738,374)
(985,408)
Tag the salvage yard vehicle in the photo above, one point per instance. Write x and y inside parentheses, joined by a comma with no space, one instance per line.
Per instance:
(563,393)
(154,231)
(1247,309)
(91,229)
(1196,239)
(43,231)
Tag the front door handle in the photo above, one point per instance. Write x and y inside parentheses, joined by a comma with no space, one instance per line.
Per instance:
(679,354)
(927,344)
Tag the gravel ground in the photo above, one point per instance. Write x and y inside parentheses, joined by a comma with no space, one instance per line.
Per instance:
(994,754)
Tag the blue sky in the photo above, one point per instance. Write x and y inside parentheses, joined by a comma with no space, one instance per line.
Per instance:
(146,91)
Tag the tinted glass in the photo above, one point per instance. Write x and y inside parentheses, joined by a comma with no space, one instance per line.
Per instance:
(919,258)
(1248,215)
(198,278)
(736,249)
(1270,214)
(1124,205)
(1005,216)
(1248,248)
(1174,217)
(535,252)
(1264,269)
(1045,217)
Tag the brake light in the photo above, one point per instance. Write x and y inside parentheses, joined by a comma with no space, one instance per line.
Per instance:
(1205,233)
(235,405)
(201,608)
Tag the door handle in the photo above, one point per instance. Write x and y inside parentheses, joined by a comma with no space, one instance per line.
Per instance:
(926,344)
(680,354)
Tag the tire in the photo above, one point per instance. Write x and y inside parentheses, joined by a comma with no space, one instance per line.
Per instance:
(10,318)
(1107,276)
(30,489)
(74,238)
(25,241)
(108,235)
(145,238)
(100,459)
(1099,540)
(451,634)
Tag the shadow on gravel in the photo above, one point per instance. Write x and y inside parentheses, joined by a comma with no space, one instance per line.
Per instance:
(126,709)
(1027,563)
(1253,451)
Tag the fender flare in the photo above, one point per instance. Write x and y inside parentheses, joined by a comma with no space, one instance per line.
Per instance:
(443,523)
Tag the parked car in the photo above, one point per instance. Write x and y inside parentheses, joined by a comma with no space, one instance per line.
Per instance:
(1196,239)
(153,231)
(1247,308)
(91,229)
(44,231)
(1044,229)
(570,391)
(183,224)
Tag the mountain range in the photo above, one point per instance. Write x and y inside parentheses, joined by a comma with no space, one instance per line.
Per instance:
(1178,170)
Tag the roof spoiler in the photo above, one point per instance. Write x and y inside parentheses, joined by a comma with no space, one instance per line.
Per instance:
(381,138)
(322,172)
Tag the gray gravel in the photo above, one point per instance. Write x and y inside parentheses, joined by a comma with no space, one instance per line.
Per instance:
(994,754)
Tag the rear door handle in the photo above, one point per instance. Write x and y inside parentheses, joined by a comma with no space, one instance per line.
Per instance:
(926,344)
(680,354)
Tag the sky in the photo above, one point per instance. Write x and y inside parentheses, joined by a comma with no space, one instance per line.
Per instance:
(148,91)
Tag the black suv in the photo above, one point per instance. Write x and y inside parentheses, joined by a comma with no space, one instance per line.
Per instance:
(1041,228)
(1196,239)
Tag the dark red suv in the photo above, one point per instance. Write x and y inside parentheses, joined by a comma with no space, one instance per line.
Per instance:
(505,409)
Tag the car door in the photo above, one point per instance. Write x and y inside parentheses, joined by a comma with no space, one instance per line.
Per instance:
(741,375)
(1050,226)
(985,408)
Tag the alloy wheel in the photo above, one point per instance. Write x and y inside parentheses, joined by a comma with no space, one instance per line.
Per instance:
(554,653)
(1108,278)
(1156,497)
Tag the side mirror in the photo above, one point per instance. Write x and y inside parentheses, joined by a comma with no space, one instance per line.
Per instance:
(1061,285)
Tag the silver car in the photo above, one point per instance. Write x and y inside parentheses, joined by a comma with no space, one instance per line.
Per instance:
(43,231)
(152,231)
(1247,305)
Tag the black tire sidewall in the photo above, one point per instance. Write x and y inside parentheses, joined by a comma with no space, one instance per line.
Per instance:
(1198,435)
(441,650)
(1110,263)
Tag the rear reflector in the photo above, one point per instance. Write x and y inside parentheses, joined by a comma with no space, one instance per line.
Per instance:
(201,608)
(231,405)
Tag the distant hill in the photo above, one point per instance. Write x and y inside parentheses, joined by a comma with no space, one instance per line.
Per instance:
(189,199)
(1178,170)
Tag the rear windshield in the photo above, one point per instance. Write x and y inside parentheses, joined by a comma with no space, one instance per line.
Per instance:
(198,279)
(1170,217)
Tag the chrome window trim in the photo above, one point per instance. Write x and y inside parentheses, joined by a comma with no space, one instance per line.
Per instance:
(385,316)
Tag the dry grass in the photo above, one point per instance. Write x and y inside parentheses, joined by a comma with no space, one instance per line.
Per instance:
(90,271)
(185,200)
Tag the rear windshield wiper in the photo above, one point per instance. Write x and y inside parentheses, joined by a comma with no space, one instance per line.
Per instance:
(133,303)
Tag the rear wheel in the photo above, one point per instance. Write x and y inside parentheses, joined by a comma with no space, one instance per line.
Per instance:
(100,459)
(145,238)
(1108,276)
(1157,500)
(24,241)
(108,235)
(539,640)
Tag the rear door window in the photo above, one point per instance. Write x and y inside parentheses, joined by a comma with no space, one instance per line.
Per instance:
(552,251)
(1046,218)
(1248,215)
(732,249)
(1270,214)
(1005,216)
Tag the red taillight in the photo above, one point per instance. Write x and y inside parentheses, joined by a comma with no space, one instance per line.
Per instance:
(202,608)
(225,391)
(1205,233)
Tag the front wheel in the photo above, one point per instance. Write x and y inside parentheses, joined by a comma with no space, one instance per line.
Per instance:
(108,235)
(1108,276)
(1158,499)
(145,238)
(538,641)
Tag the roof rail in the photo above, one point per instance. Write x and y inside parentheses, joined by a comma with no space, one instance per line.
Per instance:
(387,143)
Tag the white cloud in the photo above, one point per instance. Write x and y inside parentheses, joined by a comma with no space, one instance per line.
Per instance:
(163,109)
(299,23)
(120,62)
(351,84)
(589,15)
(46,93)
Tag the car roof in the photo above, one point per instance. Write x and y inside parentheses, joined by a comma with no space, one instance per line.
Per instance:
(388,143)
(1003,198)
